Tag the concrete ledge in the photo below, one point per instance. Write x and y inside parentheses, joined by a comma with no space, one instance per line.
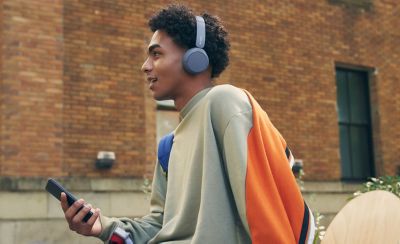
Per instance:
(41,231)
(328,197)
(326,203)
(136,184)
(331,186)
(41,205)
(73,184)
(24,201)
(24,205)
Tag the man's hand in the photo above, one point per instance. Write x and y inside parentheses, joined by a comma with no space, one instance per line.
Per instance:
(75,219)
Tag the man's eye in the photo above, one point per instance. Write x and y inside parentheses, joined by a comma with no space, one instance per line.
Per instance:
(155,54)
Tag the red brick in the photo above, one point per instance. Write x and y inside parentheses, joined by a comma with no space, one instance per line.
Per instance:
(72,86)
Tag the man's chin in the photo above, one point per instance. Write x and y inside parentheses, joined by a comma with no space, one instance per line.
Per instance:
(157,98)
(160,97)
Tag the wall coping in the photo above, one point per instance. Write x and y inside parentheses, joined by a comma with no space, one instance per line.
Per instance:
(75,184)
(331,187)
(140,184)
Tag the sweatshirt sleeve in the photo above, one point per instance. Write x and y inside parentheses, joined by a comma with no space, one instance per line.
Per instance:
(142,229)
(235,159)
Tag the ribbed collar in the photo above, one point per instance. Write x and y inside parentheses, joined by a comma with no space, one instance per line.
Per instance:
(193,101)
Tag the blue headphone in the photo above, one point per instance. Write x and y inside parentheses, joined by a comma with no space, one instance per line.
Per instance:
(195,60)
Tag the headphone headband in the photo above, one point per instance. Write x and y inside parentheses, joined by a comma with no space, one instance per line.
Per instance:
(195,60)
(201,32)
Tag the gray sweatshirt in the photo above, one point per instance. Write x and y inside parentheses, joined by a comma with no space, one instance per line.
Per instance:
(203,199)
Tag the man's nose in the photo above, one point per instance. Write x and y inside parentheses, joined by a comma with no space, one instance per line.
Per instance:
(147,66)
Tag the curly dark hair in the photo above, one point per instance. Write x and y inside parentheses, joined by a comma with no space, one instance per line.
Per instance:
(179,22)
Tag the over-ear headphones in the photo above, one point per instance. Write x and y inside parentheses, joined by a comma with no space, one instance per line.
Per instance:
(195,60)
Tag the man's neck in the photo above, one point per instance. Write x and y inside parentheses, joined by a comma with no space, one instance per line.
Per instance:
(190,92)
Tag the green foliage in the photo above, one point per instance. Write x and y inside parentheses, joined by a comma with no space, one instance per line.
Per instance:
(299,179)
(146,185)
(319,228)
(385,183)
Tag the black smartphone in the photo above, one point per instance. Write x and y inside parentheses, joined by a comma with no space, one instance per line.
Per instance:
(55,189)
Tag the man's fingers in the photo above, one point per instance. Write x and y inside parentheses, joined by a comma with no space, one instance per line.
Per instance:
(92,220)
(64,202)
(75,214)
(78,218)
(73,209)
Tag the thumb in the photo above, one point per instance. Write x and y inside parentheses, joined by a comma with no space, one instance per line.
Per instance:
(64,202)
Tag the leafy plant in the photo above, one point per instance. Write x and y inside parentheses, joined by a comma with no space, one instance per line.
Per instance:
(146,185)
(319,228)
(386,183)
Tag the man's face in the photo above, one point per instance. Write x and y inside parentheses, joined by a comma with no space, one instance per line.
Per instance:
(163,67)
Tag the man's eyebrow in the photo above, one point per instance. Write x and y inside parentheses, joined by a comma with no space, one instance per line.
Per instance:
(152,47)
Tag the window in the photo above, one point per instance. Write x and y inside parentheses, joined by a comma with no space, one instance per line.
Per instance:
(354,124)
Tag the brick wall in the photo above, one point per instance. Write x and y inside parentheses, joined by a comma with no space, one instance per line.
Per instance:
(104,99)
(32,88)
(285,53)
(71,84)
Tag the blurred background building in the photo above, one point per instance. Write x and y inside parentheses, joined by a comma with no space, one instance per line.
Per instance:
(326,71)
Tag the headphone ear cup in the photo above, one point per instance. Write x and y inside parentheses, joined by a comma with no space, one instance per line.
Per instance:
(195,61)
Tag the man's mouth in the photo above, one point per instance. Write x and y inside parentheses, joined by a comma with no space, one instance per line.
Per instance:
(151,81)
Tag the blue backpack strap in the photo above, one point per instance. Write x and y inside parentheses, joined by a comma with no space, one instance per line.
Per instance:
(164,150)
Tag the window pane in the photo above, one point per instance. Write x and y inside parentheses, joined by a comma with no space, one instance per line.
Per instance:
(345,151)
(359,105)
(342,96)
(360,152)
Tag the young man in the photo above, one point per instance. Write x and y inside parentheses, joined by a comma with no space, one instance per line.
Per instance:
(224,174)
